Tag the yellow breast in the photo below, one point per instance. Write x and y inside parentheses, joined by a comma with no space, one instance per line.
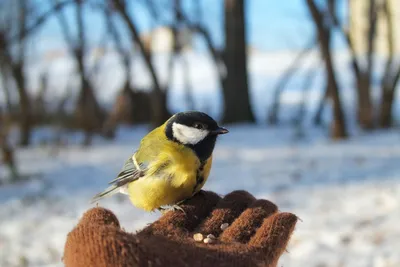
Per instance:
(170,178)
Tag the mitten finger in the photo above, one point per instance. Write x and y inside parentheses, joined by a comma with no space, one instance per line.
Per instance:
(99,216)
(226,211)
(274,234)
(244,227)
(178,223)
(100,246)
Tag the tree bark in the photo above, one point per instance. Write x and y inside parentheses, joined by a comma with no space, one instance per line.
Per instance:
(363,75)
(364,108)
(386,118)
(15,62)
(159,97)
(317,120)
(388,86)
(338,127)
(6,85)
(237,106)
(272,116)
(364,80)
(25,117)
(388,93)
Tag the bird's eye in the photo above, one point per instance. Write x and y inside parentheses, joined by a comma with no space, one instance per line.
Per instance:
(199,126)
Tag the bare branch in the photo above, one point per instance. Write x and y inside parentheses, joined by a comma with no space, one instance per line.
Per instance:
(65,28)
(81,27)
(390,43)
(29,29)
(285,78)
(136,38)
(23,13)
(345,32)
(372,15)
(116,37)
(338,123)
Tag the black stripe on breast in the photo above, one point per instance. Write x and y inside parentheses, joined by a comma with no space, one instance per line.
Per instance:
(199,176)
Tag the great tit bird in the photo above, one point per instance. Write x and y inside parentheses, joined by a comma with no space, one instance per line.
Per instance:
(172,163)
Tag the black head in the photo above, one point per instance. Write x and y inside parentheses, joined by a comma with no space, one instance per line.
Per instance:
(196,130)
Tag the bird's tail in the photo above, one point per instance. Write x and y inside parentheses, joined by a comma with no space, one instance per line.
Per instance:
(119,184)
(109,191)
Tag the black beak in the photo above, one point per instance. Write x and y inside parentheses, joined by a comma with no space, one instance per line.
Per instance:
(220,130)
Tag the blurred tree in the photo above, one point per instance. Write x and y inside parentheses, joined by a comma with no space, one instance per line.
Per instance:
(391,73)
(14,17)
(6,84)
(305,88)
(331,5)
(272,116)
(18,20)
(363,73)
(159,95)
(178,31)
(39,103)
(317,119)
(237,106)
(196,26)
(7,151)
(131,106)
(338,127)
(89,115)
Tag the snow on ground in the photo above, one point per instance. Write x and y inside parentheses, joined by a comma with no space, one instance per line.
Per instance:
(347,194)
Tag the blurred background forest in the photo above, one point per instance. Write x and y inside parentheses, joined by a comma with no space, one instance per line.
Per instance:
(84,78)
(43,40)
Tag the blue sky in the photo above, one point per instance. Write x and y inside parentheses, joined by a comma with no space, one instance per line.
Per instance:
(271,24)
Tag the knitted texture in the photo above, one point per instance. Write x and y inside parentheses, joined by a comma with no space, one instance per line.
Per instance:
(257,235)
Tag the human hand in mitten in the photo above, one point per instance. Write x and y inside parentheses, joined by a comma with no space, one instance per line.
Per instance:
(257,235)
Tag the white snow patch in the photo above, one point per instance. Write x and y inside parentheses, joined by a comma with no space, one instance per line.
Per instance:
(347,194)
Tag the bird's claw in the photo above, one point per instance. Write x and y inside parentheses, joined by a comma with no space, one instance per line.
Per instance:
(171,208)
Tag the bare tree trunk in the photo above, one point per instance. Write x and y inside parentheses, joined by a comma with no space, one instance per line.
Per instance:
(338,127)
(386,109)
(365,109)
(15,63)
(6,86)
(13,51)
(216,53)
(317,120)
(188,87)
(308,81)
(130,106)
(25,117)
(177,53)
(388,86)
(363,76)
(159,98)
(89,116)
(237,106)
(283,81)
(389,90)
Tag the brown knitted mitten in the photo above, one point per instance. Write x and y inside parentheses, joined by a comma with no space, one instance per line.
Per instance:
(257,235)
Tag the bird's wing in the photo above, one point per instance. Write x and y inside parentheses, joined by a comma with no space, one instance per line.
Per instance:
(131,171)
(152,146)
(144,161)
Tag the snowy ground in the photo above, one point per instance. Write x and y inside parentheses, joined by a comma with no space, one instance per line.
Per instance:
(347,194)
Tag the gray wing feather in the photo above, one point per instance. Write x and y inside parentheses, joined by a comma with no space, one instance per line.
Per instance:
(128,174)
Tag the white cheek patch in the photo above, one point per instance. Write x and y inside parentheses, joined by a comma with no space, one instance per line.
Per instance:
(188,135)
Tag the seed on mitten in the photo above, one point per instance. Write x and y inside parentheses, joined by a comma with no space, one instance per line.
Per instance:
(211,236)
(224,226)
(208,240)
(198,237)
